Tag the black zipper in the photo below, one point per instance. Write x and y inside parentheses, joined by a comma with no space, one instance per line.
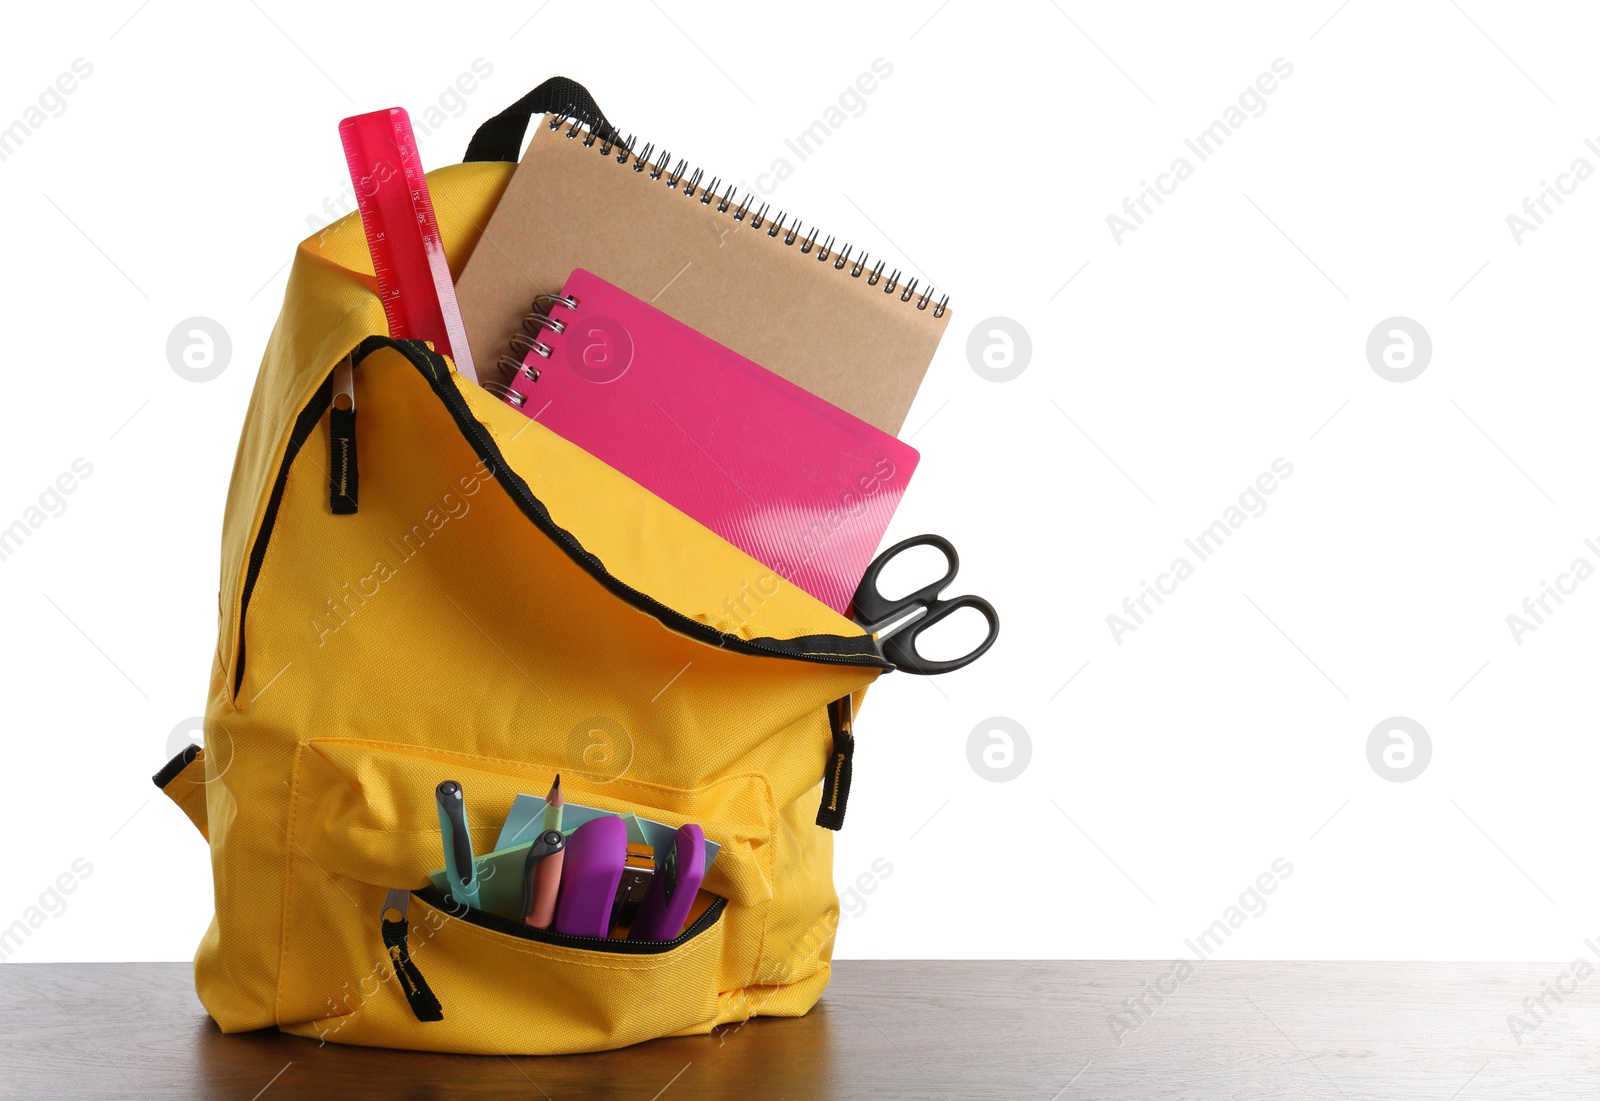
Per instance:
(498,924)
(303,426)
(859,650)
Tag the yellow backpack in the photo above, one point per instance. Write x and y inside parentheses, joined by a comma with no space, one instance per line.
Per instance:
(499,608)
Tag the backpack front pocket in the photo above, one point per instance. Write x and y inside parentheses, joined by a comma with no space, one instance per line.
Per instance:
(497,989)
(363,835)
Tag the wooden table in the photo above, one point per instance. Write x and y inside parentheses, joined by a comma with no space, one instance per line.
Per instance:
(884,1030)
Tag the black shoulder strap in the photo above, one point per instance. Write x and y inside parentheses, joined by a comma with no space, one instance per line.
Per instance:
(500,139)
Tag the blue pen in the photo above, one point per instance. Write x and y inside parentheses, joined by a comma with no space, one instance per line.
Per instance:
(460,868)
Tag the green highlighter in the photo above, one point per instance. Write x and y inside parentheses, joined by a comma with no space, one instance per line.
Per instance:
(461,871)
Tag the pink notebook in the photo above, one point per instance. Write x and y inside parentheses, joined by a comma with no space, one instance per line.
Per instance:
(796,483)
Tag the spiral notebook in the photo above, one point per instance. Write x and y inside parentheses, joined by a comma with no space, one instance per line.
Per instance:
(855,330)
(796,483)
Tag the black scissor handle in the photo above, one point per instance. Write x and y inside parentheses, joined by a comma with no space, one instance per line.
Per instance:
(872,607)
(897,636)
(901,646)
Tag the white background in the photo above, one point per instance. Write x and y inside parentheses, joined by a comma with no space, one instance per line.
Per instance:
(1167,770)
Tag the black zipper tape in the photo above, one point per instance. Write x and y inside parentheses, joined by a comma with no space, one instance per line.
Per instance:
(498,924)
(303,426)
(425,1005)
(421,998)
(857,650)
(836,779)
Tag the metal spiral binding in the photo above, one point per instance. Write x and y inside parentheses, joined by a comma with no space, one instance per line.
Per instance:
(661,167)
(504,392)
(527,343)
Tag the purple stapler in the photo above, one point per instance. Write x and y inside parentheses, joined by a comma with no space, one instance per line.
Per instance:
(595,854)
(678,874)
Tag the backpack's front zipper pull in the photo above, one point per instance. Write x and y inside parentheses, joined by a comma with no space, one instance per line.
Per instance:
(424,1004)
(342,473)
(836,780)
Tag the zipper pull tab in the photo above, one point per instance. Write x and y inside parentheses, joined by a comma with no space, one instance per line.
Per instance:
(424,1003)
(342,474)
(836,780)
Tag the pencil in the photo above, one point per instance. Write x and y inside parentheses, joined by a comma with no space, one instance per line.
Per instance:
(552,806)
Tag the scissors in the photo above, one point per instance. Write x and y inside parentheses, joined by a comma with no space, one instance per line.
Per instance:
(897,623)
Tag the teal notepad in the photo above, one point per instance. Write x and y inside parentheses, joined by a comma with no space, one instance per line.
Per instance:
(499,881)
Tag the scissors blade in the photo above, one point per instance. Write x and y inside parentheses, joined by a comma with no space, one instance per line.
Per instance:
(896,621)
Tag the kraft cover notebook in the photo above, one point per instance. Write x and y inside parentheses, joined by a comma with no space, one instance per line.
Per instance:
(752,279)
(796,483)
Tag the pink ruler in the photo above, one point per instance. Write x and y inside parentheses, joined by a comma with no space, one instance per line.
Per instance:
(419,297)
